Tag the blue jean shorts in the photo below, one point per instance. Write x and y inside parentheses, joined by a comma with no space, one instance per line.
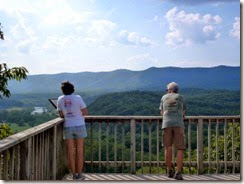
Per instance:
(75,132)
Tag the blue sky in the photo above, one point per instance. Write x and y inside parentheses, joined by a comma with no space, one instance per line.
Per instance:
(54,36)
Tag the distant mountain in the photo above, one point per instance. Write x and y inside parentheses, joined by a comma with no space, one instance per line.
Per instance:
(220,77)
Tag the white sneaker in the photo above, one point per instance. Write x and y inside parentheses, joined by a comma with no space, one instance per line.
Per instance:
(80,176)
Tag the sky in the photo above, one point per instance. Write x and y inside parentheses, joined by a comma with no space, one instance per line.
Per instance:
(55,36)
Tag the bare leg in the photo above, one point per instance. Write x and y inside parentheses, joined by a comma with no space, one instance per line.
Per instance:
(180,155)
(71,154)
(80,155)
(168,157)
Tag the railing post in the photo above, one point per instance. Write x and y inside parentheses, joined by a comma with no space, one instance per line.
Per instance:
(133,146)
(54,152)
(25,159)
(200,146)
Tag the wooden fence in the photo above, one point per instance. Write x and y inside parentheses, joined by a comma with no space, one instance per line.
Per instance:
(39,153)
(35,154)
(111,151)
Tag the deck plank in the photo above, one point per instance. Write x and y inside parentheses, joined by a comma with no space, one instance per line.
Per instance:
(155,177)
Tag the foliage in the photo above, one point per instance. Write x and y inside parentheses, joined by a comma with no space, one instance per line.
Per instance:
(24,119)
(19,127)
(31,100)
(199,102)
(233,131)
(6,74)
(5,130)
(1,33)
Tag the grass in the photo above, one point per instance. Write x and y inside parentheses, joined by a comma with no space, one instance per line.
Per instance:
(16,128)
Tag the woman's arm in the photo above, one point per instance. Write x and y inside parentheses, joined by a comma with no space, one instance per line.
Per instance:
(61,114)
(84,111)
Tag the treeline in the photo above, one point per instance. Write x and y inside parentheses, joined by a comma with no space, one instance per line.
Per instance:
(198,101)
(30,100)
(23,119)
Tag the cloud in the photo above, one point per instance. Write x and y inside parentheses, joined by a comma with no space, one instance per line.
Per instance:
(25,46)
(12,6)
(21,36)
(196,2)
(55,43)
(21,29)
(53,26)
(186,29)
(101,27)
(141,61)
(235,31)
(99,32)
(155,18)
(65,15)
(133,38)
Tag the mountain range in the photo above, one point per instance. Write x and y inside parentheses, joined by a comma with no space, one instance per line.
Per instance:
(151,79)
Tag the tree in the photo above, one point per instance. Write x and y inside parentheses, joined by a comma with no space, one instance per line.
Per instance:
(5,130)
(1,33)
(6,74)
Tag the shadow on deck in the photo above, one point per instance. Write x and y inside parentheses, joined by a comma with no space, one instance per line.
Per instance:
(156,177)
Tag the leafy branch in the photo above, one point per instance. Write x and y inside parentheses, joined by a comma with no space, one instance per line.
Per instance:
(6,74)
(1,33)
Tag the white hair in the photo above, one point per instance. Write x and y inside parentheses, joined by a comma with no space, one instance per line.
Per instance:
(173,86)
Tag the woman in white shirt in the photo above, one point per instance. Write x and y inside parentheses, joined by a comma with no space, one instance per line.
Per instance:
(73,109)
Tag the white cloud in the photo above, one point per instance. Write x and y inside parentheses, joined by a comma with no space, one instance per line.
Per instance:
(56,43)
(133,38)
(13,6)
(55,26)
(21,36)
(26,46)
(235,31)
(196,2)
(65,15)
(186,29)
(155,19)
(21,30)
(101,27)
(99,32)
(141,62)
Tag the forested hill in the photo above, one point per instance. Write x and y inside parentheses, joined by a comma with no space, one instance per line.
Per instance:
(199,102)
(152,79)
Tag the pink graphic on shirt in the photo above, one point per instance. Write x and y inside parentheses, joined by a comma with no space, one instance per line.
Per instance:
(68,107)
(67,103)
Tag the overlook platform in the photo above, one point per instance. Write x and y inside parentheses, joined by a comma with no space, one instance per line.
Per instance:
(155,177)
(125,148)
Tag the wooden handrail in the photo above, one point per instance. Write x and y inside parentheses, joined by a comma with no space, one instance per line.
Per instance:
(24,135)
(102,117)
(39,153)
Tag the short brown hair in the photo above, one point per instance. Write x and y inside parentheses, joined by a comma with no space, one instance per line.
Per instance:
(67,88)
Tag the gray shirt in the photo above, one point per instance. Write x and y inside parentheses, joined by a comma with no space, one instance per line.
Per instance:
(173,107)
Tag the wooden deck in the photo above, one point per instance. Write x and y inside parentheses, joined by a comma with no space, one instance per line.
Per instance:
(155,177)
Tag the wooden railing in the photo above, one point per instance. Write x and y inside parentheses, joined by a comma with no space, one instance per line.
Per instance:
(35,154)
(120,144)
(134,144)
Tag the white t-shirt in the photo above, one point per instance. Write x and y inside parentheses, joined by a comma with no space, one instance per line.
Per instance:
(71,106)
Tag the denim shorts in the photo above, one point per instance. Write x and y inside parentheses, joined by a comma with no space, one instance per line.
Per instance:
(75,132)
